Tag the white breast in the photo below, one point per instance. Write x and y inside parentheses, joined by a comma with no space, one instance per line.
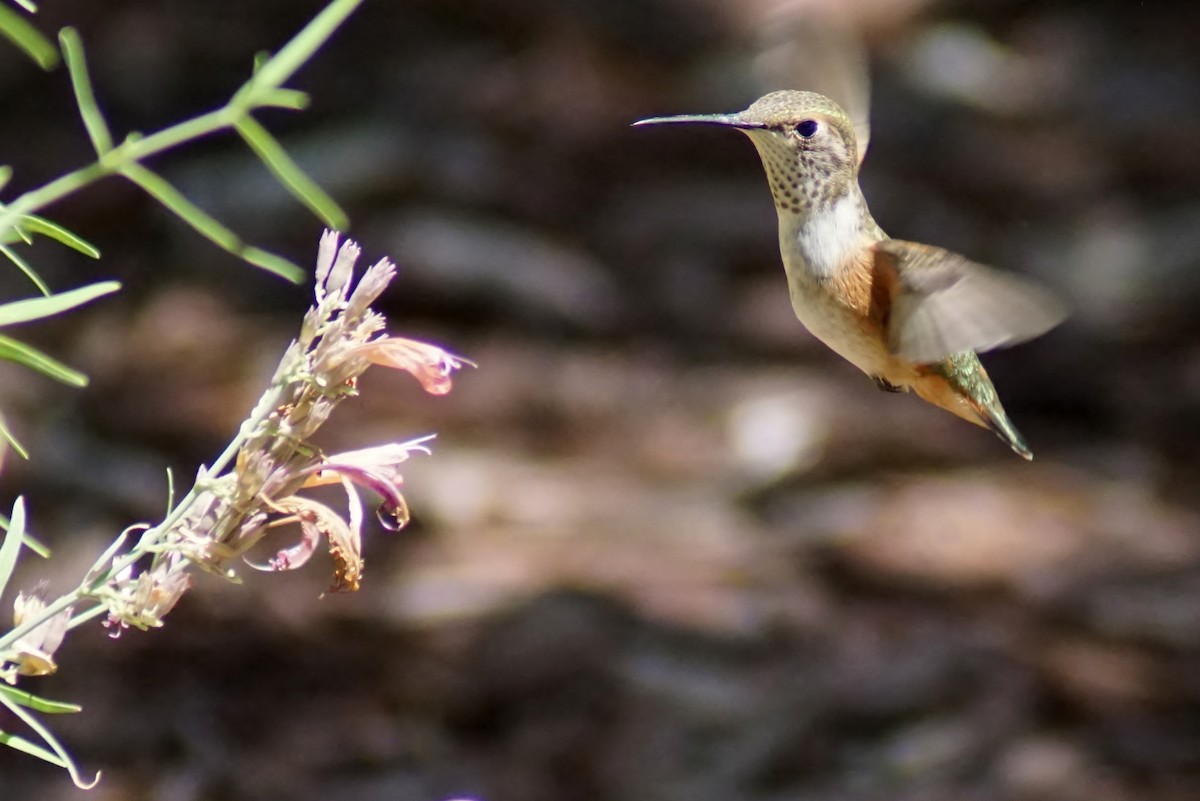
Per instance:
(814,248)
(819,243)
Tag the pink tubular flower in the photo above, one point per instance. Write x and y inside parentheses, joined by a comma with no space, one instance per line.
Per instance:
(278,456)
(341,338)
(376,469)
(429,364)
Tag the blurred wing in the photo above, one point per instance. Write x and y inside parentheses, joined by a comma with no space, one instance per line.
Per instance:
(801,48)
(945,304)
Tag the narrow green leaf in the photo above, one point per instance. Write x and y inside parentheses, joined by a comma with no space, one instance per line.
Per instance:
(10,548)
(103,564)
(15,233)
(50,740)
(207,225)
(274,264)
(23,311)
(299,50)
(38,704)
(12,440)
(6,173)
(292,99)
(26,268)
(161,190)
(33,224)
(28,5)
(20,353)
(36,546)
(28,38)
(28,541)
(290,175)
(85,97)
(19,743)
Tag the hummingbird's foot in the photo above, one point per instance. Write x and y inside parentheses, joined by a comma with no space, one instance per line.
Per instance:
(885,385)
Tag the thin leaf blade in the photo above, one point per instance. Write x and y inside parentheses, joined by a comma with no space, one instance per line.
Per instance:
(17,30)
(10,548)
(289,174)
(23,311)
(19,743)
(302,46)
(85,96)
(34,224)
(18,352)
(207,225)
(11,438)
(46,706)
(25,266)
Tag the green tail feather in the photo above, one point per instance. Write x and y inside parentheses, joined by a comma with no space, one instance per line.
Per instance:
(966,375)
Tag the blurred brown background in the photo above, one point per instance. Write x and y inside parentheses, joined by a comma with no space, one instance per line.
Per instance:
(668,546)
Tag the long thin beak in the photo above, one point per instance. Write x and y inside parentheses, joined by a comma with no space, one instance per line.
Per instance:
(728,120)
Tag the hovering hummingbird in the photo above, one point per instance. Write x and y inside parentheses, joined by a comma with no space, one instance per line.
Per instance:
(910,316)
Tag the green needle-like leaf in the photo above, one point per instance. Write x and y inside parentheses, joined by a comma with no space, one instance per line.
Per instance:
(38,704)
(12,440)
(26,268)
(290,175)
(85,98)
(35,545)
(57,754)
(15,233)
(33,224)
(273,264)
(18,352)
(16,29)
(207,225)
(11,546)
(19,743)
(300,49)
(292,99)
(23,311)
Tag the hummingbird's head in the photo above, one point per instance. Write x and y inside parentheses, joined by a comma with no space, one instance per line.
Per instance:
(806,142)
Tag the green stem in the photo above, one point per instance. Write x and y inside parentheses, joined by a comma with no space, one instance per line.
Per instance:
(132,150)
(260,90)
(149,538)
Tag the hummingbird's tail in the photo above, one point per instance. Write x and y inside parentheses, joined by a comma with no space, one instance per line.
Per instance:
(959,384)
(1002,427)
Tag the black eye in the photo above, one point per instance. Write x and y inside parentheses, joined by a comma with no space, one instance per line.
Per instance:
(806,128)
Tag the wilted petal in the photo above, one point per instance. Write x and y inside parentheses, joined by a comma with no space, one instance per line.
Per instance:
(159,590)
(144,601)
(429,364)
(347,556)
(317,519)
(33,653)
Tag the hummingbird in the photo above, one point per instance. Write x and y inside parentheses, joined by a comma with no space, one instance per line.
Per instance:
(909,315)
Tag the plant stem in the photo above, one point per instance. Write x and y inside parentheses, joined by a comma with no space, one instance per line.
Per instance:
(132,150)
(149,538)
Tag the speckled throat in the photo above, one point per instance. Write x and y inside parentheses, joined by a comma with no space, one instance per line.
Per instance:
(802,181)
